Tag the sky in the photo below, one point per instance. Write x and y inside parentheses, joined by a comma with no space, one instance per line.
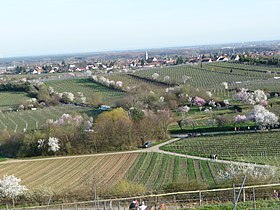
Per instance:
(42,27)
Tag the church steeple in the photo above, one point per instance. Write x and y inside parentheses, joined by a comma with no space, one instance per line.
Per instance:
(146,56)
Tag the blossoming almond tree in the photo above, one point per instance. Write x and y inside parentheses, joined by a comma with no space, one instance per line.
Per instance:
(263,117)
(10,187)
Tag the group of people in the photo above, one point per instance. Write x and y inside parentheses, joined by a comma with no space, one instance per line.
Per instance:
(135,205)
(214,156)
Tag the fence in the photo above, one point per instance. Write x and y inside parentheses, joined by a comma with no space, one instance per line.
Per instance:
(173,200)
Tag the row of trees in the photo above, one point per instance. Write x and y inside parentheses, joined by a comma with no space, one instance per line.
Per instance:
(75,134)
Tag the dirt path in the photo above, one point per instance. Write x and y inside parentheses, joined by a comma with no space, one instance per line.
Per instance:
(151,149)
(157,149)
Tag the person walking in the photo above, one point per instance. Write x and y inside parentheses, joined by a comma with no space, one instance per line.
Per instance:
(143,206)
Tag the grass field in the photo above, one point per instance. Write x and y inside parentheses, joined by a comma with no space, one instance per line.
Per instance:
(261,147)
(89,89)
(12,99)
(70,173)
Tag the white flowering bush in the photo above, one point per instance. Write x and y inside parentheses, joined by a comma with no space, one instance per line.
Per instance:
(67,97)
(161,99)
(184,109)
(209,94)
(53,144)
(119,84)
(10,187)
(41,143)
(225,85)
(81,98)
(155,76)
(166,78)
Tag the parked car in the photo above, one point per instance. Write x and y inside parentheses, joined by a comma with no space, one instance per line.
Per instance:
(104,107)
(147,144)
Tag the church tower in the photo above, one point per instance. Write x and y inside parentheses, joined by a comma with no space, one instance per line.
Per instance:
(146,56)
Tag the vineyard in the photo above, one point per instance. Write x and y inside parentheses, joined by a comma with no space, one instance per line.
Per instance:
(156,171)
(11,99)
(258,147)
(35,119)
(89,89)
(137,83)
(198,77)
(70,173)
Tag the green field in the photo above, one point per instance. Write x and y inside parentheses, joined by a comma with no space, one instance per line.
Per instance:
(12,99)
(90,89)
(260,147)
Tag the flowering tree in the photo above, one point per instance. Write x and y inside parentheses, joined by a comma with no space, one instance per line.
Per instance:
(119,84)
(209,94)
(10,187)
(240,118)
(161,99)
(184,109)
(198,101)
(82,98)
(67,97)
(212,103)
(155,76)
(53,144)
(263,117)
(225,85)
(166,78)
(259,95)
(245,96)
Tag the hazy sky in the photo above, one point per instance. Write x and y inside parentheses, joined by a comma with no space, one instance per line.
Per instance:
(38,27)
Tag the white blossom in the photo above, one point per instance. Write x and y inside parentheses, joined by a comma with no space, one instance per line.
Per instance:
(262,116)
(161,99)
(166,78)
(119,84)
(10,186)
(184,109)
(67,97)
(225,85)
(53,144)
(209,94)
(41,143)
(259,95)
(155,76)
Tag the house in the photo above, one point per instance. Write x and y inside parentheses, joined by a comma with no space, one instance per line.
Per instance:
(206,60)
(222,58)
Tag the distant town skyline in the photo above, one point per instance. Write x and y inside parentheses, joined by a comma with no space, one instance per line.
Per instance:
(33,27)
